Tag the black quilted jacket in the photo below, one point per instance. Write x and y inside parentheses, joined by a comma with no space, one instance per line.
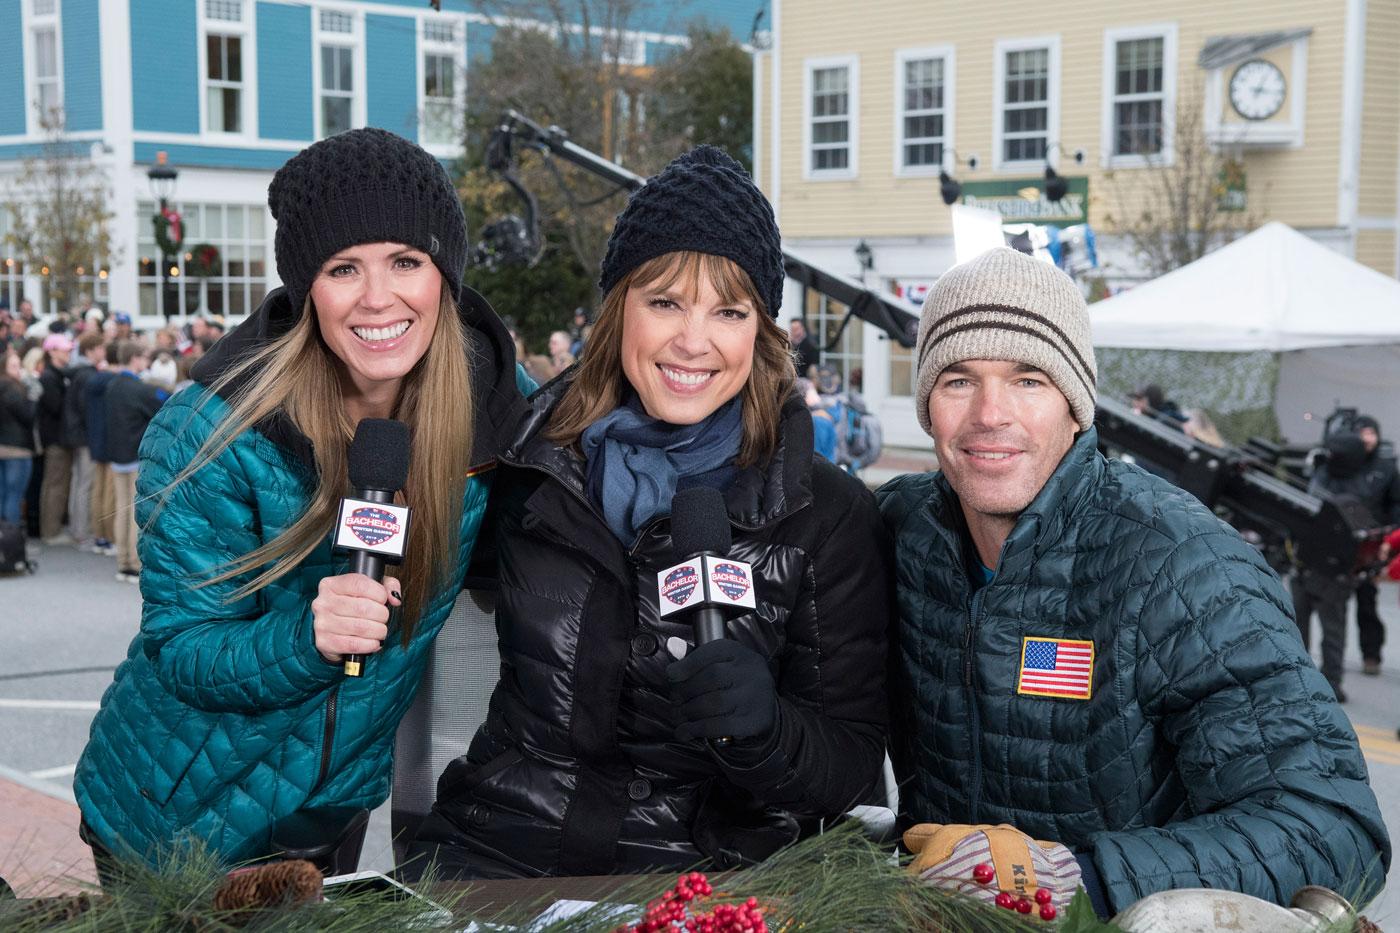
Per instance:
(576,770)
(1211,752)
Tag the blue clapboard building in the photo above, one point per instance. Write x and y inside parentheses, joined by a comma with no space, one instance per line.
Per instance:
(229,90)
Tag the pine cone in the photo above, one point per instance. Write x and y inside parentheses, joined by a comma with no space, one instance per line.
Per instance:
(281,884)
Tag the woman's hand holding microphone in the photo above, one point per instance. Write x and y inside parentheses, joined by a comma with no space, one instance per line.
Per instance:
(350,614)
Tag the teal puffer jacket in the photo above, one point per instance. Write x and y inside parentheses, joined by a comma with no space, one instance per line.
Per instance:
(1211,751)
(224,717)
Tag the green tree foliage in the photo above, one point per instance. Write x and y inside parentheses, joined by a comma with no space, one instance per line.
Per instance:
(704,94)
(557,73)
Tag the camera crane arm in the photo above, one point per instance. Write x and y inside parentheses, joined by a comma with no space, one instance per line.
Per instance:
(515,131)
(1327,535)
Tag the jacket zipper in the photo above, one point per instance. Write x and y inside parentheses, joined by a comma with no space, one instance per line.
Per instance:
(974,796)
(328,737)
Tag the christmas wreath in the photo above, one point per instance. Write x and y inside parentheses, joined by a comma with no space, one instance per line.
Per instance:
(203,260)
(170,231)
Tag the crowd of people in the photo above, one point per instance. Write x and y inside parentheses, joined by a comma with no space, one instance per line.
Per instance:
(77,394)
(1083,679)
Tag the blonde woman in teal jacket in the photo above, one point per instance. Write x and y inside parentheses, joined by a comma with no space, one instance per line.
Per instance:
(232,710)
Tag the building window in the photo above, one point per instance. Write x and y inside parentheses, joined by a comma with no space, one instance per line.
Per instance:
(443,61)
(825,317)
(337,88)
(831,129)
(11,268)
(1026,110)
(440,32)
(334,21)
(1139,94)
(923,87)
(1027,91)
(340,75)
(224,90)
(45,63)
(229,11)
(227,49)
(439,110)
(1137,98)
(238,232)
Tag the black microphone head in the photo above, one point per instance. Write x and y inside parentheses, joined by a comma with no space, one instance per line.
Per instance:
(699,522)
(379,455)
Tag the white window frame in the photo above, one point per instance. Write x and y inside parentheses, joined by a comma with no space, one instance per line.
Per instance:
(355,41)
(901,58)
(248,46)
(852,65)
(1108,128)
(30,24)
(1052,115)
(457,49)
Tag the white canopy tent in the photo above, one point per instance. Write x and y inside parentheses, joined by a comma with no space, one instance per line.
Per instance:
(1334,323)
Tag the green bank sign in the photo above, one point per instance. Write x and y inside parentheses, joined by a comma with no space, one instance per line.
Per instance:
(1023,200)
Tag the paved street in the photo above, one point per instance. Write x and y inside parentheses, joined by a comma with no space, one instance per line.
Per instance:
(68,626)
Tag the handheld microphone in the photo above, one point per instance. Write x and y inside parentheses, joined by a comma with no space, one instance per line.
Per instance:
(707,583)
(370,527)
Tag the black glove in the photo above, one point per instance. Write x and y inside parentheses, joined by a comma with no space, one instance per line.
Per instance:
(723,689)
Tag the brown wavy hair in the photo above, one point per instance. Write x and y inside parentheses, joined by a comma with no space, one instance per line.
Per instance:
(597,386)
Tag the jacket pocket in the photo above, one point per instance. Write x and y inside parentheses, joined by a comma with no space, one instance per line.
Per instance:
(478,778)
(170,768)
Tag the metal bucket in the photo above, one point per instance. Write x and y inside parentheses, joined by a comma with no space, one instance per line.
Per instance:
(1202,910)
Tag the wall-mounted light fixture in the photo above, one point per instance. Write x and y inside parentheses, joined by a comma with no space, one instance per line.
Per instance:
(1055,186)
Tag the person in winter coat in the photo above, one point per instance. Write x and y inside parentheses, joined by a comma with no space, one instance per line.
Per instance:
(129,405)
(16,437)
(58,456)
(1350,472)
(597,754)
(1084,652)
(233,710)
(91,357)
(1379,489)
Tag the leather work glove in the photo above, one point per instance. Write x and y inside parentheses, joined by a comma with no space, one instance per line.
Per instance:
(723,689)
(947,855)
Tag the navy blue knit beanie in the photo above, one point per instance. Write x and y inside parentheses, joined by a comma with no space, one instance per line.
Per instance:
(703,202)
(363,186)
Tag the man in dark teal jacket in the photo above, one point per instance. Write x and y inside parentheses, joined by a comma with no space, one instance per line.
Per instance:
(1084,651)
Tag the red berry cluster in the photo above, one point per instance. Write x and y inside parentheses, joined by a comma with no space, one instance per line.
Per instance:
(983,873)
(671,912)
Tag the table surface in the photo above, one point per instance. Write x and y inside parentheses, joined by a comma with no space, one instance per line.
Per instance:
(521,900)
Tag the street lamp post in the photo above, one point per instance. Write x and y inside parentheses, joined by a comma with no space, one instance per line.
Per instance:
(162,180)
(865,258)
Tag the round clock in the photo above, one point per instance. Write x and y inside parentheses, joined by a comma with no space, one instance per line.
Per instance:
(1257,89)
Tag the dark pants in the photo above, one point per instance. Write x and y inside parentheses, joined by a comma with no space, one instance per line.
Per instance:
(1368,621)
(1328,596)
(108,869)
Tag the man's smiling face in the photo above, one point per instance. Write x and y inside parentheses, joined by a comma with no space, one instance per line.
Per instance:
(1000,429)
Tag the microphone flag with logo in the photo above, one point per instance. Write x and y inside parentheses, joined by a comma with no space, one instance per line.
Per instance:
(707,581)
(370,527)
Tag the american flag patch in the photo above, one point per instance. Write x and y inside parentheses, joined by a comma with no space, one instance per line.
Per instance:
(1056,667)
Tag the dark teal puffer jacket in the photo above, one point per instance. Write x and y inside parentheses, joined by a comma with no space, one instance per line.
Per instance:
(1211,752)
(224,718)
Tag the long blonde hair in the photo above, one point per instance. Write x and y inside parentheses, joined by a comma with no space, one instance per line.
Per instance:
(298,374)
(598,385)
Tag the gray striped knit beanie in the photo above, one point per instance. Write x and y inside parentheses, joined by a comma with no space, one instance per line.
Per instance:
(1004,305)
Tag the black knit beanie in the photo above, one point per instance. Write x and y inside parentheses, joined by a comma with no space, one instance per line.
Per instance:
(702,202)
(363,186)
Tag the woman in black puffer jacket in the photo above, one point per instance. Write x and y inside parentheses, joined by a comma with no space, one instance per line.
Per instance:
(597,754)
